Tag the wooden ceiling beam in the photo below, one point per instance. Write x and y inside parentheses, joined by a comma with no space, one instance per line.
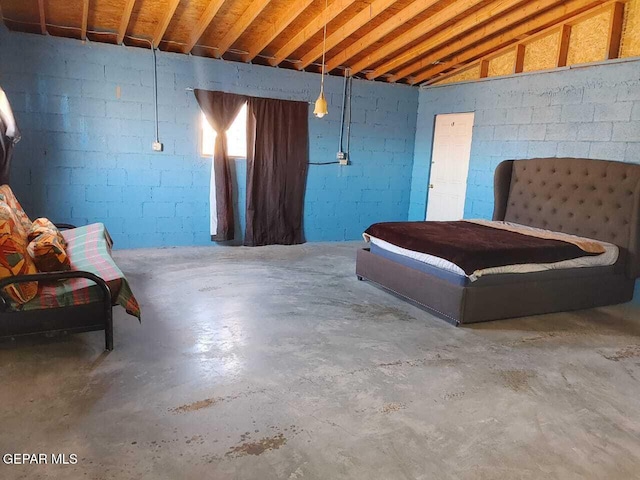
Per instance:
(85,19)
(484,69)
(528,10)
(538,26)
(459,70)
(203,23)
(43,20)
(563,45)
(292,12)
(248,16)
(521,49)
(358,21)
(164,23)
(313,27)
(614,38)
(399,19)
(467,23)
(124,21)
(418,31)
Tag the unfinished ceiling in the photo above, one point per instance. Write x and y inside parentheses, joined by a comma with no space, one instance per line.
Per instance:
(407,41)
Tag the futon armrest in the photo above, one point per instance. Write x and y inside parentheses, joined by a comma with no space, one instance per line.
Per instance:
(64,226)
(52,277)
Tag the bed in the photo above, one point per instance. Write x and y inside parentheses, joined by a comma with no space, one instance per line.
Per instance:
(596,199)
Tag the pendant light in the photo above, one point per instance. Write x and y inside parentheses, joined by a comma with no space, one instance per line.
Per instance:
(321,108)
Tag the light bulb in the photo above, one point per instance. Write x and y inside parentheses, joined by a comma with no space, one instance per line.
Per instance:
(321,108)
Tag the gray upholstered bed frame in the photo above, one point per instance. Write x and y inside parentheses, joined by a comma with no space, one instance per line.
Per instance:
(591,198)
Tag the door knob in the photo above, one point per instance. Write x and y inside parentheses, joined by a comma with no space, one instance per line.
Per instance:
(431,185)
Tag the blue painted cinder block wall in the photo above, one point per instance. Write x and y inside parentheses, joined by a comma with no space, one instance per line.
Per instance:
(590,112)
(86,154)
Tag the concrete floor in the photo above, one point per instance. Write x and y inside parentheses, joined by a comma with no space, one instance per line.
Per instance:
(276,363)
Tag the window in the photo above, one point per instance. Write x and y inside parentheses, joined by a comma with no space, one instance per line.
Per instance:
(236,136)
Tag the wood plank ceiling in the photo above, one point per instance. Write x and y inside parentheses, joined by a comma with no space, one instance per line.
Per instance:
(407,41)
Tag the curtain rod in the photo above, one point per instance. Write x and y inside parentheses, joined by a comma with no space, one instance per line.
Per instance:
(191,89)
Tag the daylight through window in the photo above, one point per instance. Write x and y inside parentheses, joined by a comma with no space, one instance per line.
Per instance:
(236,136)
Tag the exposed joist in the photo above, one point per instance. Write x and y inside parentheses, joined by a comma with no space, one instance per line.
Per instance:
(563,45)
(458,71)
(203,23)
(85,19)
(164,23)
(527,11)
(358,21)
(248,16)
(501,43)
(292,12)
(43,21)
(468,22)
(484,69)
(614,38)
(399,19)
(124,21)
(572,12)
(521,49)
(420,30)
(313,27)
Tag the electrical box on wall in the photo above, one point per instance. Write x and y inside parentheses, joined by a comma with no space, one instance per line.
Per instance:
(342,158)
(157,146)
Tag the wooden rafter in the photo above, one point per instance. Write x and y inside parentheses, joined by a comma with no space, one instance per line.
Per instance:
(85,19)
(359,20)
(574,12)
(203,23)
(484,69)
(519,63)
(164,23)
(313,27)
(406,45)
(563,45)
(124,21)
(420,30)
(614,38)
(465,24)
(499,45)
(527,11)
(43,20)
(292,12)
(249,15)
(399,19)
(458,71)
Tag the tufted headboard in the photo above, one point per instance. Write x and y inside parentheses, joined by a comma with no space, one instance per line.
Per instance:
(591,198)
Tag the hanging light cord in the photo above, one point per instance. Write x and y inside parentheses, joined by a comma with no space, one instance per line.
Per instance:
(324,45)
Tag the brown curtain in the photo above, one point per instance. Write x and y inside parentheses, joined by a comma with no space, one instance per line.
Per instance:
(221,110)
(277,160)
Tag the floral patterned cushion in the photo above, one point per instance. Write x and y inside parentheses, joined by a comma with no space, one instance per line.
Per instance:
(44,225)
(48,252)
(7,196)
(14,258)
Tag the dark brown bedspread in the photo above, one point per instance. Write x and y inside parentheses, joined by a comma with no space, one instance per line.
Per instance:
(473,247)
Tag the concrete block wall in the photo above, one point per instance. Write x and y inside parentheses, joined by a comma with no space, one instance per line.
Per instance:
(591,112)
(86,114)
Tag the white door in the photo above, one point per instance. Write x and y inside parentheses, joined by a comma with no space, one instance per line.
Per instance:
(449,166)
